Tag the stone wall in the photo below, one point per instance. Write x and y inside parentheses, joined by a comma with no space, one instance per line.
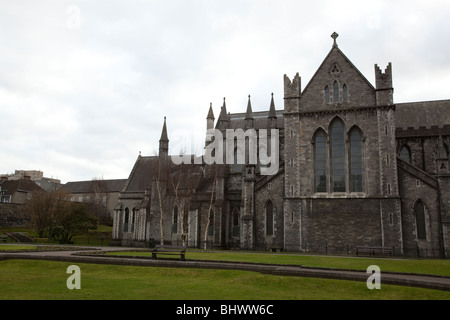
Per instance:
(14,215)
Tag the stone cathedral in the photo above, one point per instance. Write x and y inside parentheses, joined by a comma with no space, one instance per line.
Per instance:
(355,169)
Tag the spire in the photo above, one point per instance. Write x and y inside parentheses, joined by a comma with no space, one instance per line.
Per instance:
(272,112)
(164,137)
(210,112)
(249,120)
(249,114)
(223,117)
(272,115)
(210,118)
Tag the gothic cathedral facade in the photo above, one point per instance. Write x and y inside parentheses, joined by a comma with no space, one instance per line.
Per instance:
(355,169)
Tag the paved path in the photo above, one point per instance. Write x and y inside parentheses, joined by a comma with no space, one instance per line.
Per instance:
(416,280)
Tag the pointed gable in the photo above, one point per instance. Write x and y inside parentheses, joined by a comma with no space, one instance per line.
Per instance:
(337,84)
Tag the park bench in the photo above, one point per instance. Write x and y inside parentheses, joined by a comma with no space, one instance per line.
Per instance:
(276,248)
(375,251)
(3,238)
(169,250)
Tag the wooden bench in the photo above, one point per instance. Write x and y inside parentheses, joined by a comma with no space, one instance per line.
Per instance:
(169,250)
(375,251)
(3,238)
(276,248)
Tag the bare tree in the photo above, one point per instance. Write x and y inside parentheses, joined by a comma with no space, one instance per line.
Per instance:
(183,183)
(98,203)
(53,213)
(40,208)
(209,210)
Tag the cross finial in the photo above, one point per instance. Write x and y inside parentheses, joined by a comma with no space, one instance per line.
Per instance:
(334,36)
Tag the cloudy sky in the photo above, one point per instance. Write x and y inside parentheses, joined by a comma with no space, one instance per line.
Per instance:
(85,85)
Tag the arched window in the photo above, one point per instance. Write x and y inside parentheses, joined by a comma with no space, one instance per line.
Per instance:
(335,91)
(237,167)
(269,218)
(211,223)
(356,164)
(419,211)
(133,217)
(405,154)
(337,156)
(235,223)
(345,93)
(320,162)
(327,94)
(126,220)
(175,220)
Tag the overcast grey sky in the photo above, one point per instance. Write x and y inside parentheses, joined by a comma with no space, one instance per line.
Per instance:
(85,85)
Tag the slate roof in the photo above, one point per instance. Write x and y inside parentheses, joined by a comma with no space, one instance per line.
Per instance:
(115,185)
(9,187)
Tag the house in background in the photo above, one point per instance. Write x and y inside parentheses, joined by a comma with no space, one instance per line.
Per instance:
(17,191)
(103,192)
(48,184)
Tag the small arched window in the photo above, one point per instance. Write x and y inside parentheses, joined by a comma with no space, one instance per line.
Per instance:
(175,220)
(345,93)
(327,94)
(335,91)
(126,220)
(235,231)
(419,211)
(133,217)
(405,154)
(211,223)
(269,218)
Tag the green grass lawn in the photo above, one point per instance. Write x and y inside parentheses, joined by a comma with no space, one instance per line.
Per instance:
(24,279)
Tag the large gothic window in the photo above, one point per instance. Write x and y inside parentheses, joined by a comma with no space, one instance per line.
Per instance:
(337,156)
(419,210)
(269,218)
(356,166)
(320,162)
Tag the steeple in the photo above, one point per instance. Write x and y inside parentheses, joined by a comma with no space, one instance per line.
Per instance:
(272,114)
(249,120)
(210,118)
(222,122)
(164,140)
